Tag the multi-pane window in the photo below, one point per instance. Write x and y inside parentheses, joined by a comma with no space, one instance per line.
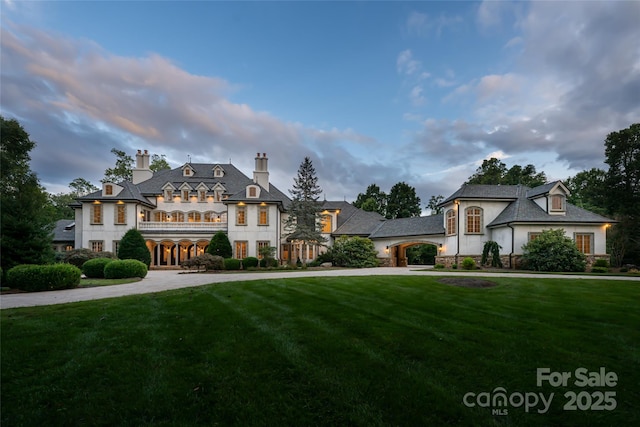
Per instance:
(96,213)
(252,192)
(96,245)
(217,195)
(241,249)
(108,189)
(185,195)
(451,221)
(116,246)
(557,202)
(474,219)
(261,245)
(241,215)
(326,223)
(160,216)
(168,195)
(263,215)
(121,214)
(584,242)
(202,195)
(194,217)
(534,236)
(177,216)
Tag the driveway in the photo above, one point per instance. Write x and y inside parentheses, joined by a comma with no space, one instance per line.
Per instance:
(164,280)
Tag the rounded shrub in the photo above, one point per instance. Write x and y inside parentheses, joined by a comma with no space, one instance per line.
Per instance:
(231,264)
(468,263)
(33,278)
(94,268)
(268,262)
(133,246)
(124,269)
(250,262)
(553,251)
(438,266)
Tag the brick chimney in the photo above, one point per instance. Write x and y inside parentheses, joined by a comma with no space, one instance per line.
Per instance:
(261,172)
(141,172)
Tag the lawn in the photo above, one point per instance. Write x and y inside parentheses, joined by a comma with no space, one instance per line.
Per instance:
(360,351)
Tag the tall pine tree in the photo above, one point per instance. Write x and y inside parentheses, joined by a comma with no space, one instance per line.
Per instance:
(303,223)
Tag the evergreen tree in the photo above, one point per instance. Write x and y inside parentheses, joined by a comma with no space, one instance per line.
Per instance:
(303,222)
(403,202)
(133,246)
(26,216)
(220,245)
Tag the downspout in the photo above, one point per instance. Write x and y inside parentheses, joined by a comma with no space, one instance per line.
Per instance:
(513,242)
(457,232)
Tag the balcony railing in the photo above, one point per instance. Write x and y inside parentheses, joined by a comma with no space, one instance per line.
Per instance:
(182,226)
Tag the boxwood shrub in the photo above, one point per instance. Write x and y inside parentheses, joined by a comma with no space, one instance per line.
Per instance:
(33,278)
(231,264)
(94,268)
(125,268)
(468,263)
(250,262)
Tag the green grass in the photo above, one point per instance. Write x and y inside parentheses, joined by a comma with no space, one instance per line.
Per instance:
(360,351)
(90,283)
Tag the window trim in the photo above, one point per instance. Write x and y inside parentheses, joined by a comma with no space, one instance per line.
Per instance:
(591,237)
(243,210)
(454,222)
(97,208)
(264,209)
(241,246)
(116,214)
(467,214)
(563,201)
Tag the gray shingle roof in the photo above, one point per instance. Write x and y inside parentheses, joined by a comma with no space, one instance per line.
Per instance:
(130,193)
(64,231)
(541,189)
(417,226)
(233,181)
(481,191)
(525,210)
(360,223)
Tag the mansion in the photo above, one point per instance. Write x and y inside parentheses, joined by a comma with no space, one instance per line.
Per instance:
(178,211)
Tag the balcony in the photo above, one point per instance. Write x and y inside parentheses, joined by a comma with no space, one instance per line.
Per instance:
(182,226)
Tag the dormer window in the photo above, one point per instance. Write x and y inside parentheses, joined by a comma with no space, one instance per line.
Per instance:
(168,194)
(185,195)
(252,192)
(218,172)
(108,190)
(557,203)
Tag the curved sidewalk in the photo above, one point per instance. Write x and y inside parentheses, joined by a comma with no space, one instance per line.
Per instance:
(158,281)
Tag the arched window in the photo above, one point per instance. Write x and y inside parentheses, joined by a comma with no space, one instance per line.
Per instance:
(451,221)
(474,220)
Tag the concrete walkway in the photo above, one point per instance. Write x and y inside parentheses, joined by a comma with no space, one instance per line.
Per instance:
(159,280)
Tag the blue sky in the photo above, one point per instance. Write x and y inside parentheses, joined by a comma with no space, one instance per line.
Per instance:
(373,92)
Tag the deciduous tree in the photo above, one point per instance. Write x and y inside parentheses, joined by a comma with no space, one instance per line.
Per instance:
(403,202)
(373,200)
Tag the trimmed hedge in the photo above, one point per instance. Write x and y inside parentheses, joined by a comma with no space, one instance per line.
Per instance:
(268,262)
(124,269)
(34,278)
(78,257)
(94,268)
(206,261)
(231,264)
(250,262)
